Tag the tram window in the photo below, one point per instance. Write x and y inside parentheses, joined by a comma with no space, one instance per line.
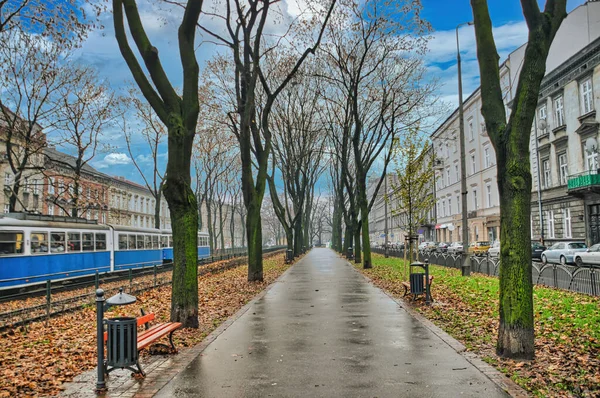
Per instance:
(11,242)
(170,241)
(100,241)
(122,242)
(39,242)
(57,242)
(74,242)
(148,241)
(164,241)
(131,240)
(87,242)
(155,242)
(140,241)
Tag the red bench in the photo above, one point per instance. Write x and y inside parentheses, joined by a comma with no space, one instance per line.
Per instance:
(406,286)
(151,334)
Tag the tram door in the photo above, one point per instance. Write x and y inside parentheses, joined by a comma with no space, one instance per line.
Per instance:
(594,219)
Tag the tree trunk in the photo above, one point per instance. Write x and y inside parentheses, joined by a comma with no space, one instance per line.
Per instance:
(211,232)
(298,237)
(157,203)
(254,237)
(516,330)
(357,248)
(184,222)
(221,225)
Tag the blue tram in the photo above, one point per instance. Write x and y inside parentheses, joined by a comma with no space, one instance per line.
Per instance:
(37,250)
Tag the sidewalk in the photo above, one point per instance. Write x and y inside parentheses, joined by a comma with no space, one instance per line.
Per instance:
(322,330)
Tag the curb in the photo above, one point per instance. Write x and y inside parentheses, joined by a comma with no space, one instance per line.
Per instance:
(498,378)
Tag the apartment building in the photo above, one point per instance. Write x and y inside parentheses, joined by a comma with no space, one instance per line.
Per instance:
(570,207)
(566,151)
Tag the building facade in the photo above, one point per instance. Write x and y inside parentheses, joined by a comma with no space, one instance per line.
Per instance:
(570,208)
(566,151)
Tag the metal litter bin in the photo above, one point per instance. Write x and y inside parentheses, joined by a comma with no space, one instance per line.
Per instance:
(121,345)
(417,285)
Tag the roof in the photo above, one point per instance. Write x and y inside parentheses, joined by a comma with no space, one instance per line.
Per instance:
(61,158)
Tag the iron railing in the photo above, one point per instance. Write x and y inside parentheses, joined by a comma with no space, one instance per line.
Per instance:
(581,279)
(42,301)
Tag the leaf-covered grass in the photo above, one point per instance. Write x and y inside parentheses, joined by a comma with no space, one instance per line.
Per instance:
(38,359)
(567,327)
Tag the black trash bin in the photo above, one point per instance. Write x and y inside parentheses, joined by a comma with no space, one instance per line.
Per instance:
(121,345)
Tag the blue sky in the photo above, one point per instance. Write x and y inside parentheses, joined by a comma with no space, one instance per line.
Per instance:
(101,51)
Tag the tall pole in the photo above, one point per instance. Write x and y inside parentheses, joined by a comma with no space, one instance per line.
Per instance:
(539,181)
(466,269)
(385,232)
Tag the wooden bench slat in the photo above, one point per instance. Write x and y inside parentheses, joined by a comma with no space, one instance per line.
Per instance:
(148,338)
(152,334)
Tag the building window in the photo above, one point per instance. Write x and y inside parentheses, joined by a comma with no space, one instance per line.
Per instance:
(567,223)
(457,204)
(449,206)
(88,193)
(542,116)
(559,111)
(549,216)
(51,210)
(563,168)
(51,185)
(591,161)
(587,97)
(475,204)
(448,176)
(473,164)
(476,233)
(103,218)
(456,173)
(488,193)
(61,212)
(486,157)
(443,208)
(547,183)
(7,178)
(471,131)
(6,208)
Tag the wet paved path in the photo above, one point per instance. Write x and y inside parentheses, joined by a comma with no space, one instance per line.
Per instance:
(324,331)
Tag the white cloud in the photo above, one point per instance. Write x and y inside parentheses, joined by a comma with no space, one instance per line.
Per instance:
(113,159)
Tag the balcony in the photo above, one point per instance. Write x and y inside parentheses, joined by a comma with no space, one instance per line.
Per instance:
(582,183)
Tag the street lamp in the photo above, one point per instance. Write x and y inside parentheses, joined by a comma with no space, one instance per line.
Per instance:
(463,168)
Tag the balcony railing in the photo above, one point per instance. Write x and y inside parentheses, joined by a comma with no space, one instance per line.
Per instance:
(588,180)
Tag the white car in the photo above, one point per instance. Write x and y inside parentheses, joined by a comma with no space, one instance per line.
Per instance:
(423,246)
(455,248)
(494,251)
(590,256)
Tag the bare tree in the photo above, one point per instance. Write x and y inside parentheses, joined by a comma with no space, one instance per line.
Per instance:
(33,76)
(510,138)
(179,113)
(153,133)
(85,108)
(386,93)
(245,35)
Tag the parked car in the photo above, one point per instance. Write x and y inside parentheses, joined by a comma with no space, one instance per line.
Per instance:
(479,248)
(563,252)
(442,247)
(431,246)
(422,246)
(494,251)
(536,250)
(455,248)
(590,256)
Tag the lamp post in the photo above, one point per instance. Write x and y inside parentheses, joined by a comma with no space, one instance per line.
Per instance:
(542,126)
(463,168)
(385,232)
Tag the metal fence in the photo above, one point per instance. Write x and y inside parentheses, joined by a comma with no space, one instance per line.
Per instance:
(41,301)
(584,279)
